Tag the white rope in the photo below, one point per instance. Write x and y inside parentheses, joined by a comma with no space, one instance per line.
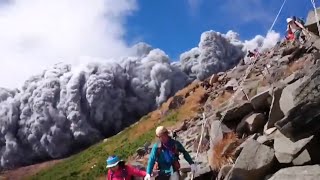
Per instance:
(248,70)
(316,14)
(274,22)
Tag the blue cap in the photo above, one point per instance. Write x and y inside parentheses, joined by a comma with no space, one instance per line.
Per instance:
(112,161)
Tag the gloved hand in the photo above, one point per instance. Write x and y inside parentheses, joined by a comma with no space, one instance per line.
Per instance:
(147,177)
(193,168)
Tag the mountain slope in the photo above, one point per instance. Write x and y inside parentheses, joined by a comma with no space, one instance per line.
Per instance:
(125,143)
(66,108)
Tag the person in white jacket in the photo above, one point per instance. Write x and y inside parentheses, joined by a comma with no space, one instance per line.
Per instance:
(296,28)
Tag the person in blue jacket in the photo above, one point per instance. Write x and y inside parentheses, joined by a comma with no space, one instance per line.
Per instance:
(165,155)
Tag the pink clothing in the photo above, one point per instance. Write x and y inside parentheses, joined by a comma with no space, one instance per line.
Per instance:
(125,174)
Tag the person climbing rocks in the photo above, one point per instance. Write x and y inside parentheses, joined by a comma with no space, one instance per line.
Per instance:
(118,170)
(164,157)
(296,28)
(289,36)
(250,54)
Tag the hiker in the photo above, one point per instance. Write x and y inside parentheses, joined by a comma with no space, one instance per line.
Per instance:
(289,36)
(256,53)
(165,157)
(118,170)
(250,54)
(296,28)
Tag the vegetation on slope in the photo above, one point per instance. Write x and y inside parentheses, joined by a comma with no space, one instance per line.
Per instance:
(125,143)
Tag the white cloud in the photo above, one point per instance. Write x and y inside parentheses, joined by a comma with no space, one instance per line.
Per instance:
(261,42)
(36,34)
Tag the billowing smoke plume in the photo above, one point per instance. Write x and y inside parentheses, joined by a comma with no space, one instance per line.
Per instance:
(262,43)
(214,54)
(66,108)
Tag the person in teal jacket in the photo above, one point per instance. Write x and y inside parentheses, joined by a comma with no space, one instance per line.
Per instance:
(165,154)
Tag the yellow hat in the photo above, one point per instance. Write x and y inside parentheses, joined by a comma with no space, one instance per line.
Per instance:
(161,130)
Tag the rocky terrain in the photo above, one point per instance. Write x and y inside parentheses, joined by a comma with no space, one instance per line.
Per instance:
(256,121)
(260,120)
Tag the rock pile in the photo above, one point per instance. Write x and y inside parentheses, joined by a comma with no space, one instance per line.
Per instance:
(270,126)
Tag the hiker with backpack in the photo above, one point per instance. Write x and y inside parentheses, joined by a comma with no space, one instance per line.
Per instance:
(165,157)
(294,26)
(118,170)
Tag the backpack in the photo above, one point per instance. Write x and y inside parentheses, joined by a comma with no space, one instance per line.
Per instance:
(299,20)
(174,151)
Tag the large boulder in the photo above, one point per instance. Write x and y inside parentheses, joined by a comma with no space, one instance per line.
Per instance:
(308,89)
(275,113)
(298,173)
(255,162)
(303,158)
(261,100)
(287,96)
(232,84)
(251,124)
(224,171)
(237,111)
(286,150)
(217,131)
(303,119)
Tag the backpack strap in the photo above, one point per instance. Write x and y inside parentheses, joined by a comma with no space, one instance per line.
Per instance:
(174,150)
(124,172)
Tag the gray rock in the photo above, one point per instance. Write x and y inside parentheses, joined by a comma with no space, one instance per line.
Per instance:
(309,87)
(275,113)
(254,162)
(302,159)
(251,124)
(260,101)
(287,96)
(184,166)
(270,130)
(213,79)
(302,120)
(284,60)
(267,139)
(262,89)
(224,171)
(316,44)
(141,151)
(243,144)
(289,50)
(217,130)
(238,111)
(298,173)
(232,84)
(292,78)
(285,149)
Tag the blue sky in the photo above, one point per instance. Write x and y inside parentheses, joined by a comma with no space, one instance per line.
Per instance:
(175,26)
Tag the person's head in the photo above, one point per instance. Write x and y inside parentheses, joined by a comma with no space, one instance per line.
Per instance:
(163,134)
(290,20)
(113,162)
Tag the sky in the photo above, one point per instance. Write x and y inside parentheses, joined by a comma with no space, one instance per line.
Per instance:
(36,34)
(175,25)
